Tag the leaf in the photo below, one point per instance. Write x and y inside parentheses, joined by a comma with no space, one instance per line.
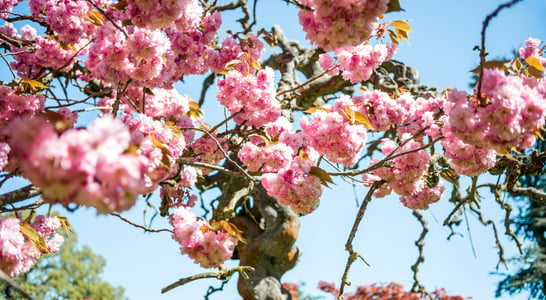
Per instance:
(535,63)
(256,65)
(349,114)
(538,134)
(148,91)
(402,28)
(95,17)
(393,36)
(361,119)
(35,83)
(34,237)
(533,72)
(322,175)
(159,144)
(228,228)
(315,109)
(394,5)
(450,176)
(401,25)
(195,111)
(492,64)
(65,224)
(57,119)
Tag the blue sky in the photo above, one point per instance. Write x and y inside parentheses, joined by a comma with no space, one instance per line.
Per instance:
(441,49)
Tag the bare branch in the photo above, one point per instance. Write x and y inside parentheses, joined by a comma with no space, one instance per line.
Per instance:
(420,243)
(222,274)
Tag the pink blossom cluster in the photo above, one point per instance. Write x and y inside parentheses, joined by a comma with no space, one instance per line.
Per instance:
(464,158)
(404,174)
(276,128)
(90,167)
(333,135)
(294,187)
(192,52)
(424,114)
(159,143)
(266,158)
(68,18)
(17,254)
(251,98)
(532,48)
(206,150)
(6,6)
(239,55)
(356,63)
(156,14)
(384,111)
(333,24)
(513,111)
(156,103)
(178,196)
(14,104)
(45,53)
(140,56)
(205,246)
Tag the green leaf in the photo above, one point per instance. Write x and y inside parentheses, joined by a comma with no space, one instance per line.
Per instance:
(394,5)
(322,175)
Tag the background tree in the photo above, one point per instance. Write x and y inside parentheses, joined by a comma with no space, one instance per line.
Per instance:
(71,273)
(531,226)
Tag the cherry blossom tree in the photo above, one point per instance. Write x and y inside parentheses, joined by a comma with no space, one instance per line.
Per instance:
(294,121)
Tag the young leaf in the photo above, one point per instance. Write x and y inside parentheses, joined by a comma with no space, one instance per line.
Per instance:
(195,111)
(361,119)
(535,63)
(450,176)
(401,25)
(65,224)
(315,109)
(492,64)
(159,144)
(349,114)
(34,237)
(228,228)
(35,83)
(322,175)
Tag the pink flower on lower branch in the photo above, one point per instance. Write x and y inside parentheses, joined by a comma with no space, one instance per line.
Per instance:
(207,247)
(294,187)
(17,254)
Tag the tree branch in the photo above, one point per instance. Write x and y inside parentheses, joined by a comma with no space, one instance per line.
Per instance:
(21,194)
(222,274)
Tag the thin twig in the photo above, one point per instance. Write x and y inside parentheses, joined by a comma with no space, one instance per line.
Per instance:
(349,245)
(147,229)
(482,49)
(308,81)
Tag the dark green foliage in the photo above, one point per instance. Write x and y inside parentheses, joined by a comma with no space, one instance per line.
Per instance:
(531,226)
(71,273)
